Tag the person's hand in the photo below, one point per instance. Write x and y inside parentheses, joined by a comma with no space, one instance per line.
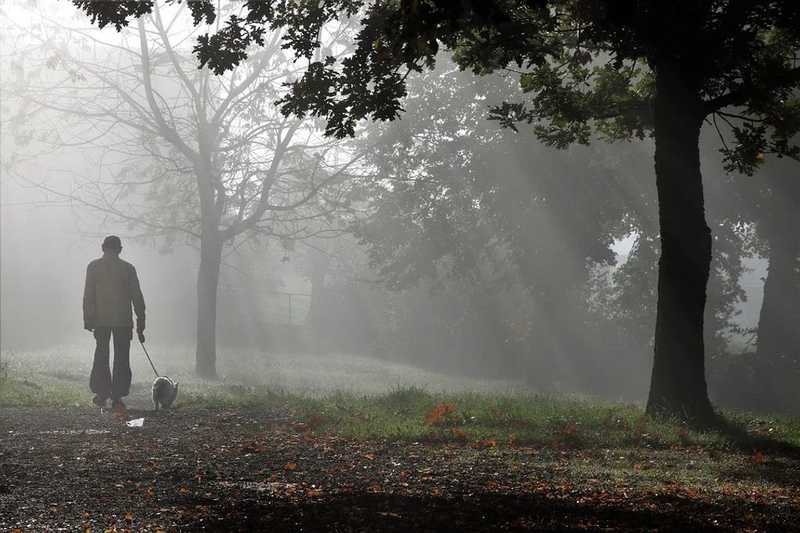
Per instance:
(141,336)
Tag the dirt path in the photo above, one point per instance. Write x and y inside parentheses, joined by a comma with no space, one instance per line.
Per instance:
(262,470)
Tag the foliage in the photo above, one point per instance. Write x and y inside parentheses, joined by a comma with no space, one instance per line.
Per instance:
(180,149)
(586,64)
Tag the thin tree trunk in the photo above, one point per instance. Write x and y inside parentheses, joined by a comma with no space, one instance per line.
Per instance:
(678,384)
(778,348)
(207,285)
(316,318)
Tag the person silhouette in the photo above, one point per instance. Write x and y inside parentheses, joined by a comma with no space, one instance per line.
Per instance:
(112,286)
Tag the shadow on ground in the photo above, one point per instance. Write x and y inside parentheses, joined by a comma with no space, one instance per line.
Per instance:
(478,512)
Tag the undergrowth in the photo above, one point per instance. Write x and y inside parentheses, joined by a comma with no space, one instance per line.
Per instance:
(413,414)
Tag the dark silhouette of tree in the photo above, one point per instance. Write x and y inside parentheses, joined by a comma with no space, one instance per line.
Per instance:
(185,153)
(777,218)
(621,68)
(479,210)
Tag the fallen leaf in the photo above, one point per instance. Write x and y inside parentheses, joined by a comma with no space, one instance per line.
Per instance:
(252,448)
(290,466)
(437,415)
(459,434)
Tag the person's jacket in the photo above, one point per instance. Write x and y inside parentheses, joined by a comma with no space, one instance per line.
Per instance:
(111,287)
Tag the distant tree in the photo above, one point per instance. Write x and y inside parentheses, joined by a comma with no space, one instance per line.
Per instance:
(183,152)
(621,68)
(777,218)
(459,199)
(469,207)
(758,215)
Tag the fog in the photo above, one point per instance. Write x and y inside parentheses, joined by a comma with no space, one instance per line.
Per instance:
(451,254)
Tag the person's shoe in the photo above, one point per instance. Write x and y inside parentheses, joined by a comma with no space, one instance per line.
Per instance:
(99,402)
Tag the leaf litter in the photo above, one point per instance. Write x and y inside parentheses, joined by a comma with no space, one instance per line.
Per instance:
(267,469)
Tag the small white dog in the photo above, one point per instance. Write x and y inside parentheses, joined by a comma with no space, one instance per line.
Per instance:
(164,392)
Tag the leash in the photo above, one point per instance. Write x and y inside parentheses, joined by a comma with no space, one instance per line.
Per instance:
(148,358)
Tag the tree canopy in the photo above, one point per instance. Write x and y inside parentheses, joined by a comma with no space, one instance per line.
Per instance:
(585,64)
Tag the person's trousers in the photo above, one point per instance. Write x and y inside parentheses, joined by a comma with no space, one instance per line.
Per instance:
(103,382)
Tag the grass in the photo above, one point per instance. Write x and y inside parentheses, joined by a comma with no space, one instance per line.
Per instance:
(610,448)
(26,392)
(414,414)
(564,445)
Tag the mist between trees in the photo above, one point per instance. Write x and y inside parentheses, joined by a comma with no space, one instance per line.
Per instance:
(440,240)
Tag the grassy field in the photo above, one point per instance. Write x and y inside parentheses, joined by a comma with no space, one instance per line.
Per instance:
(379,437)
(367,399)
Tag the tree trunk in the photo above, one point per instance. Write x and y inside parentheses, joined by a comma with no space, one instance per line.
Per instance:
(207,284)
(778,348)
(316,317)
(678,384)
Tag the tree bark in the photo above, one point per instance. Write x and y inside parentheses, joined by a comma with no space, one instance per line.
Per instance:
(678,385)
(207,285)
(778,348)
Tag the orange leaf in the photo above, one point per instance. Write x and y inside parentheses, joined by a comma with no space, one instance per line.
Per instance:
(290,466)
(437,415)
(759,458)
(459,434)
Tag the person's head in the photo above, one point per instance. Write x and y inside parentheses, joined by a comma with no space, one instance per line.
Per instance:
(112,245)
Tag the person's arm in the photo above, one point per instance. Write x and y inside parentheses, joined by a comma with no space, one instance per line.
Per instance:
(89,300)
(138,303)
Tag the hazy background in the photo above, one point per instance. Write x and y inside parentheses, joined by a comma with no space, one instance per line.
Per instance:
(375,307)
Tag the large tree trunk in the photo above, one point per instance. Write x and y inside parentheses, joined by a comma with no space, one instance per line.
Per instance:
(207,284)
(678,385)
(778,348)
